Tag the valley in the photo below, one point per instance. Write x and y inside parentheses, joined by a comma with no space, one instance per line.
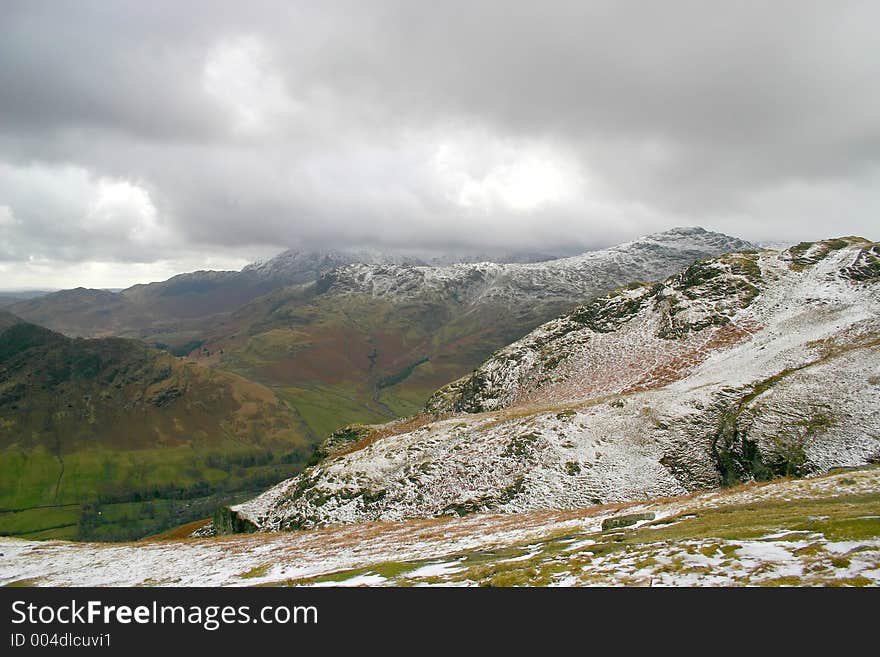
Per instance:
(109,439)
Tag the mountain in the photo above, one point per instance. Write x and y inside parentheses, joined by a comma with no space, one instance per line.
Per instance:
(298,266)
(745,366)
(173,313)
(146,309)
(372,341)
(820,531)
(108,438)
(8,297)
(76,312)
(364,342)
(293,266)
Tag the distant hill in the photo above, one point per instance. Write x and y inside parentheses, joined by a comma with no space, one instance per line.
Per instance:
(8,297)
(108,438)
(371,341)
(173,314)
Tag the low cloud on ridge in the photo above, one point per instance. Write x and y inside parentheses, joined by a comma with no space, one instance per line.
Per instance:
(141,139)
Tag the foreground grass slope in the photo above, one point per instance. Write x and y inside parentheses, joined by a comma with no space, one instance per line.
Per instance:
(107,438)
(822,531)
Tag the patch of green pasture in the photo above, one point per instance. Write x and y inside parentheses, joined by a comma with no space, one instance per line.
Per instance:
(324,410)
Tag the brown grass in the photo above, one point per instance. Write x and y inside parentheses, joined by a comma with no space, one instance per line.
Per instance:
(177,533)
(682,364)
(384,430)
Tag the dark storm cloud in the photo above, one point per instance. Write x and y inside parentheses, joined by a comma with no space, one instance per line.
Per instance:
(137,132)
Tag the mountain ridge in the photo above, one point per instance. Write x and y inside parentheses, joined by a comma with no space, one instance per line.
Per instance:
(172,313)
(379,339)
(743,366)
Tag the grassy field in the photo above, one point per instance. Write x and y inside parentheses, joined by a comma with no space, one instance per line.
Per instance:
(113,495)
(325,409)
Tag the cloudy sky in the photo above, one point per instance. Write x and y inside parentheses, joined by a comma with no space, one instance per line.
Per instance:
(141,139)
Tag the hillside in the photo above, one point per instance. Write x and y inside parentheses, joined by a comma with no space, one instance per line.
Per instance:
(368,342)
(8,297)
(107,438)
(175,313)
(744,366)
(822,531)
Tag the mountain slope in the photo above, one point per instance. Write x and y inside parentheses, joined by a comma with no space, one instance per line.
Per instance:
(174,313)
(745,366)
(367,342)
(9,297)
(109,438)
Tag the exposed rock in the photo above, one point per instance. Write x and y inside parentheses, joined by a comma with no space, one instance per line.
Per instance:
(227,521)
(625,521)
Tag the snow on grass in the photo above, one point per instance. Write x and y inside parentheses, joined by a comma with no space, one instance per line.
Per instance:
(762,543)
(522,557)
(435,570)
(370,579)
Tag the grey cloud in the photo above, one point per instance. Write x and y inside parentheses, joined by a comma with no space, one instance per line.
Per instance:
(274,123)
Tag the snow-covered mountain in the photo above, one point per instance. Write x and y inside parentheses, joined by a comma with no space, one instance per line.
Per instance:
(176,311)
(302,266)
(575,278)
(743,366)
(381,338)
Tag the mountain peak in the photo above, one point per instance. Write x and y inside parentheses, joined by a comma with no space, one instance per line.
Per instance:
(697,236)
(302,266)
